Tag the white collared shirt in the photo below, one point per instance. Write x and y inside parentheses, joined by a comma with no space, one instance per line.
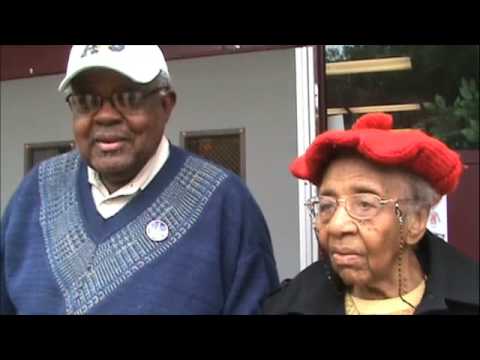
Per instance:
(109,204)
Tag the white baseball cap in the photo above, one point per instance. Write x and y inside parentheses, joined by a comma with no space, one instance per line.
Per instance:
(140,63)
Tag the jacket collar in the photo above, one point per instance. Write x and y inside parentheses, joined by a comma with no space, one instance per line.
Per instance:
(318,292)
(448,275)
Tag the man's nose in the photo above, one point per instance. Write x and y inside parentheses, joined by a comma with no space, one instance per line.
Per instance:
(107,113)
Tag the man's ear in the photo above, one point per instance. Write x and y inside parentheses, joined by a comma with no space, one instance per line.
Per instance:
(168,102)
(417,225)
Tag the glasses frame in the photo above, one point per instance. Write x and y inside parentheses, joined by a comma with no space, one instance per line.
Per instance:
(111,99)
(310,204)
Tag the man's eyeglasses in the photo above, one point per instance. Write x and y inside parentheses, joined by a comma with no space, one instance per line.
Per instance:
(127,102)
(358,206)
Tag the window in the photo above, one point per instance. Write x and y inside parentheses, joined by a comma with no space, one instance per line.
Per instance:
(37,152)
(224,147)
(435,88)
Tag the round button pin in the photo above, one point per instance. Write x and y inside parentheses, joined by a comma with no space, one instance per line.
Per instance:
(157,230)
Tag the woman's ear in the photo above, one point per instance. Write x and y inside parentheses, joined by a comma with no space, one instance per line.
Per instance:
(417,225)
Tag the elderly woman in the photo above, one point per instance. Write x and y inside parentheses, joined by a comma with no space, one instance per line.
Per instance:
(376,187)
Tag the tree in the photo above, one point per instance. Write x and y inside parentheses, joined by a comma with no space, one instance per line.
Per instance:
(457,124)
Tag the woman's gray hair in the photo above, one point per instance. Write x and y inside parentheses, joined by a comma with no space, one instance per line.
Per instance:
(423,194)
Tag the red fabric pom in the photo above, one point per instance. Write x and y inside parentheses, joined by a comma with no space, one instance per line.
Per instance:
(374,121)
(373,138)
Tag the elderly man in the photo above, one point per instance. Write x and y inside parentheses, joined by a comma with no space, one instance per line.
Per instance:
(129,223)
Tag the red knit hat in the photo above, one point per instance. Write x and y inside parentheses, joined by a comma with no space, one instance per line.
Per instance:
(373,138)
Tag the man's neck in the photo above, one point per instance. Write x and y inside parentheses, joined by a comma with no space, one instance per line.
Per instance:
(114,184)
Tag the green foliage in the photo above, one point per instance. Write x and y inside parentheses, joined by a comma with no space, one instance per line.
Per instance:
(457,125)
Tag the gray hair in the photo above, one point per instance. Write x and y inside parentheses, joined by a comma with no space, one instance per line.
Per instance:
(423,194)
(162,80)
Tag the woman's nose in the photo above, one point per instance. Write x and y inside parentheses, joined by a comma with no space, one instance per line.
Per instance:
(341,221)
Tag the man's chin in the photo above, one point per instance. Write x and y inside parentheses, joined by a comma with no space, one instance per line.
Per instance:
(111,167)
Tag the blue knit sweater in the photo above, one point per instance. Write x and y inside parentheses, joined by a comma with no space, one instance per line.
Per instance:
(59,256)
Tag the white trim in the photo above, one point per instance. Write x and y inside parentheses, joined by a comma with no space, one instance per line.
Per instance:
(438,219)
(306,116)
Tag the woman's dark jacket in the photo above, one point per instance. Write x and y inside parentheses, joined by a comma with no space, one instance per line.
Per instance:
(452,285)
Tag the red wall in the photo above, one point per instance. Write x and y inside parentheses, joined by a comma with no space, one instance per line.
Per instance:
(462,208)
(17,60)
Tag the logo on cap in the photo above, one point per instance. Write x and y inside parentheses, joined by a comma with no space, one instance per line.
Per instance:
(93,49)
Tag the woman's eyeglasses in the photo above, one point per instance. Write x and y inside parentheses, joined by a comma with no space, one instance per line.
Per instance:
(358,206)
